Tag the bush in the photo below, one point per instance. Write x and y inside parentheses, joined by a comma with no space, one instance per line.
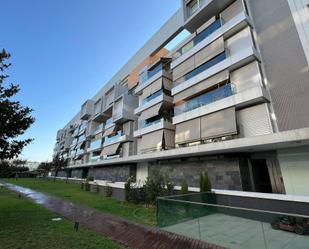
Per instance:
(205,184)
(184,187)
(108,191)
(89,179)
(154,187)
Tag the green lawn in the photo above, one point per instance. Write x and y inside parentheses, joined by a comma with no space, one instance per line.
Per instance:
(26,225)
(73,192)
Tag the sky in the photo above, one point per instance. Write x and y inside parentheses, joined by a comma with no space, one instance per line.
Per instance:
(64,51)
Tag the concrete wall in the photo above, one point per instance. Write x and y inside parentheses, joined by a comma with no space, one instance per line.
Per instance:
(284,61)
(224,173)
(112,173)
(294,164)
(77,173)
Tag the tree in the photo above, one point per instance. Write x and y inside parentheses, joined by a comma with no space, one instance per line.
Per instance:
(15,119)
(58,164)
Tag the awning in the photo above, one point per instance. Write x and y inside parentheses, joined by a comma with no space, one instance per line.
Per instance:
(109,131)
(188,131)
(207,53)
(184,68)
(152,141)
(203,85)
(151,112)
(219,124)
(152,88)
(169,139)
(111,150)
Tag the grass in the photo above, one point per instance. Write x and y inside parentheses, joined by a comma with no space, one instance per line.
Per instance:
(73,192)
(26,225)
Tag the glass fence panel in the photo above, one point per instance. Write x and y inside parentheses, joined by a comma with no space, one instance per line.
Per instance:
(233,227)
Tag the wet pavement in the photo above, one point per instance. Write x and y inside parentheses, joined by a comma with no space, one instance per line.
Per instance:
(117,228)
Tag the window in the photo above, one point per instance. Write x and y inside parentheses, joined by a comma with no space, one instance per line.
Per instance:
(194,5)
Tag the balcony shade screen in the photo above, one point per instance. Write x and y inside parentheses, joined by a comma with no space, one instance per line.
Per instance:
(219,124)
(152,88)
(111,150)
(151,112)
(152,141)
(167,84)
(188,131)
(183,68)
(203,85)
(109,131)
(207,53)
(118,107)
(169,138)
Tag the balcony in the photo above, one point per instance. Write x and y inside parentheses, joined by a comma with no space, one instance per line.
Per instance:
(94,158)
(118,138)
(154,99)
(196,12)
(149,127)
(209,35)
(151,78)
(199,38)
(239,100)
(231,62)
(205,99)
(95,145)
(98,129)
(109,123)
(87,110)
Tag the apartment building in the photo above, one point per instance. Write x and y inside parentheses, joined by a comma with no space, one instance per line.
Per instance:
(231,98)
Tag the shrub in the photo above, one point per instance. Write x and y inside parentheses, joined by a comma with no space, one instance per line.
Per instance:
(184,187)
(170,188)
(89,179)
(128,187)
(205,184)
(108,191)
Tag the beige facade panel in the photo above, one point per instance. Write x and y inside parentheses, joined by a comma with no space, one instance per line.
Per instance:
(169,138)
(219,124)
(232,11)
(152,141)
(254,121)
(151,112)
(209,52)
(246,77)
(239,41)
(188,131)
(203,85)
(206,24)
(183,68)
(152,88)
(109,131)
(111,150)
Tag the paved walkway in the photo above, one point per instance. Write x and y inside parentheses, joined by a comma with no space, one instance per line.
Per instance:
(119,229)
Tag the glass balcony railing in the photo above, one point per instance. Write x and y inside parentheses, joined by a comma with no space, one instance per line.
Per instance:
(95,144)
(151,97)
(109,122)
(81,138)
(94,158)
(200,37)
(143,77)
(98,128)
(204,99)
(114,138)
(83,126)
(145,123)
(80,152)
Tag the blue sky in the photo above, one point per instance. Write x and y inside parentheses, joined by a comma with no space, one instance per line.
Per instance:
(65,51)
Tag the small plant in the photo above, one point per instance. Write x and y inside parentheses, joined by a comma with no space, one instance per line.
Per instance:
(128,187)
(108,191)
(89,179)
(184,187)
(205,184)
(170,188)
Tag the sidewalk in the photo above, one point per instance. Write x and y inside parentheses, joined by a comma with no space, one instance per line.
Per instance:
(119,229)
